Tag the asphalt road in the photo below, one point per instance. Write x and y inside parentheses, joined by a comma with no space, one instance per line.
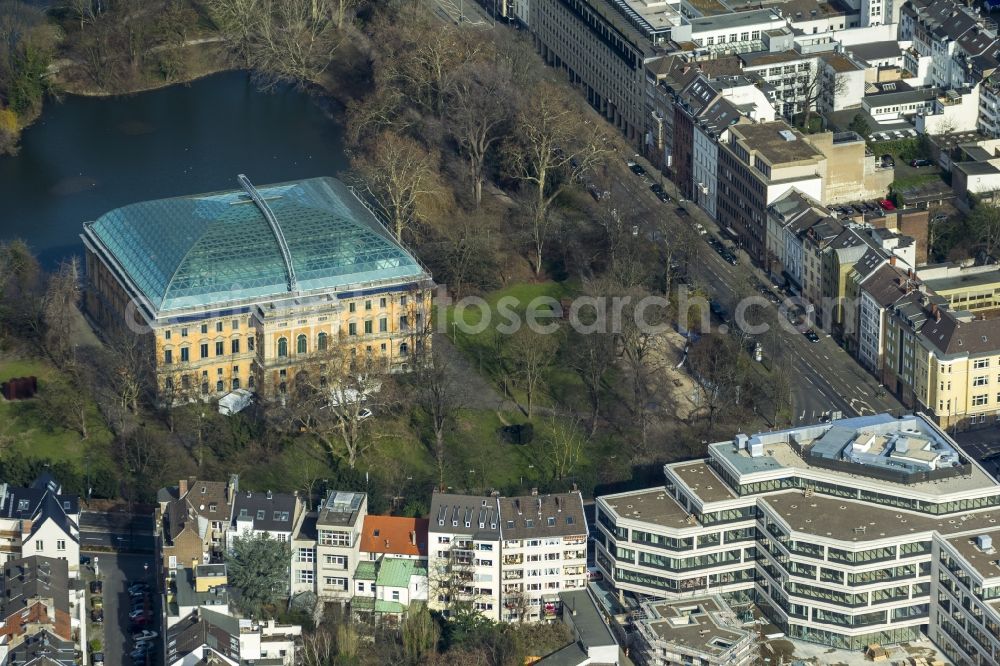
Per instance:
(824,376)
(120,532)
(116,571)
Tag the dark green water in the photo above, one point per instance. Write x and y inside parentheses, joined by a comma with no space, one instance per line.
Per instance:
(86,155)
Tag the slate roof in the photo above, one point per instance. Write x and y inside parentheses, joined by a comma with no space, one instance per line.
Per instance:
(952,336)
(869,262)
(394,535)
(883,285)
(875,50)
(465,514)
(40,502)
(203,627)
(269,512)
(43,649)
(540,516)
(34,577)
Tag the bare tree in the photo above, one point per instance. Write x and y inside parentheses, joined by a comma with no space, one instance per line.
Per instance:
(402,176)
(715,361)
(440,397)
(819,83)
(562,447)
(551,146)
(62,297)
(591,356)
(331,399)
(478,112)
(984,222)
(532,354)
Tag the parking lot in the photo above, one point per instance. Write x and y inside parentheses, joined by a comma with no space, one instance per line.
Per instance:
(115,573)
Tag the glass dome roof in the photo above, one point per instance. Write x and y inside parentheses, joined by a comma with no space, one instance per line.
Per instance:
(215,249)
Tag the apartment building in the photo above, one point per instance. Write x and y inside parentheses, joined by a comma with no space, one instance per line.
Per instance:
(951,34)
(792,74)
(325,547)
(878,293)
(211,637)
(191,522)
(730,33)
(463,538)
(701,630)
(259,513)
(593,642)
(834,529)
(544,552)
(759,163)
(945,362)
(38,597)
(40,520)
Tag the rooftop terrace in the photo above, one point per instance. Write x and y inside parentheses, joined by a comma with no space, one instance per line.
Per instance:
(704,625)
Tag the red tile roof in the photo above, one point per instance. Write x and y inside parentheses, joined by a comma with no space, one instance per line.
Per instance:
(394,535)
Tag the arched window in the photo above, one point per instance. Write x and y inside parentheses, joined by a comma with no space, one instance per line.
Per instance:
(204,388)
(218,386)
(404,349)
(300,345)
(236,383)
(282,347)
(321,342)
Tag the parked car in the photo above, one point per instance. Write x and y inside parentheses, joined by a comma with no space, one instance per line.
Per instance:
(811,335)
(637,169)
(918,163)
(97,603)
(97,616)
(144,635)
(730,258)
(887,161)
(97,659)
(887,205)
(96,586)
(682,211)
(700,229)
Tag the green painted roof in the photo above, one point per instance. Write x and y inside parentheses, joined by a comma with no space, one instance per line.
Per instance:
(383,606)
(363,603)
(365,571)
(395,572)
(219,249)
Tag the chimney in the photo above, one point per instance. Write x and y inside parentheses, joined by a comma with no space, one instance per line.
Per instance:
(194,563)
(892,260)
(413,538)
(26,526)
(182,487)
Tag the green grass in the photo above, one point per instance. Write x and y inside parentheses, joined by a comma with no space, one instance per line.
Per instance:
(914,180)
(31,436)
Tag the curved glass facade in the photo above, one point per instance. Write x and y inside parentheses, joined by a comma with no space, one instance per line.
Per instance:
(215,249)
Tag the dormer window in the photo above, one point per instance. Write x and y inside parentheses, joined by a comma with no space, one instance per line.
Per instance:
(203,490)
(66,506)
(213,507)
(243,513)
(22,505)
(376,531)
(260,514)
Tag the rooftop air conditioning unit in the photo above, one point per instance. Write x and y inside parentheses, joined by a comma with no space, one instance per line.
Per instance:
(984,542)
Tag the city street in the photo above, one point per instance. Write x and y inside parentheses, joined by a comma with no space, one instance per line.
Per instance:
(115,572)
(824,377)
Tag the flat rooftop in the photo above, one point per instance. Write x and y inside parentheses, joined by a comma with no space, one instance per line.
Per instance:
(340,509)
(859,522)
(986,564)
(771,141)
(965,280)
(755,17)
(701,624)
(778,453)
(653,505)
(701,479)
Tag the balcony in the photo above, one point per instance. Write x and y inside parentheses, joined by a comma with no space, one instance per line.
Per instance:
(513,575)
(513,559)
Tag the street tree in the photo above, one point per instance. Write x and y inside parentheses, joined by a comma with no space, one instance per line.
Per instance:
(717,362)
(478,112)
(532,354)
(258,567)
(549,148)
(402,177)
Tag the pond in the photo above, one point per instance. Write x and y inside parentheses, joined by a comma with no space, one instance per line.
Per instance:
(88,155)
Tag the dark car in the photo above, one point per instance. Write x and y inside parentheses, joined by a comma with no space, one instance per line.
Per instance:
(96,586)
(730,258)
(811,335)
(664,197)
(918,163)
(887,161)
(97,616)
(717,309)
(637,169)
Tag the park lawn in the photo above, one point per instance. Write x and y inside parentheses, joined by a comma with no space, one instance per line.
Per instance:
(36,438)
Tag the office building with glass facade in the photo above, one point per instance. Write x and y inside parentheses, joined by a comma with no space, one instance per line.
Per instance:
(863,530)
(241,288)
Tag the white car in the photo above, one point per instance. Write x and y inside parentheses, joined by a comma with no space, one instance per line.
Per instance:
(364,414)
(700,229)
(144,635)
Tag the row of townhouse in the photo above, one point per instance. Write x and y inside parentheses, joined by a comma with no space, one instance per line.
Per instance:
(928,335)
(43,613)
(865,530)
(40,520)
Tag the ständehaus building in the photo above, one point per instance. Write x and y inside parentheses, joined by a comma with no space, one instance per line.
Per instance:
(864,530)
